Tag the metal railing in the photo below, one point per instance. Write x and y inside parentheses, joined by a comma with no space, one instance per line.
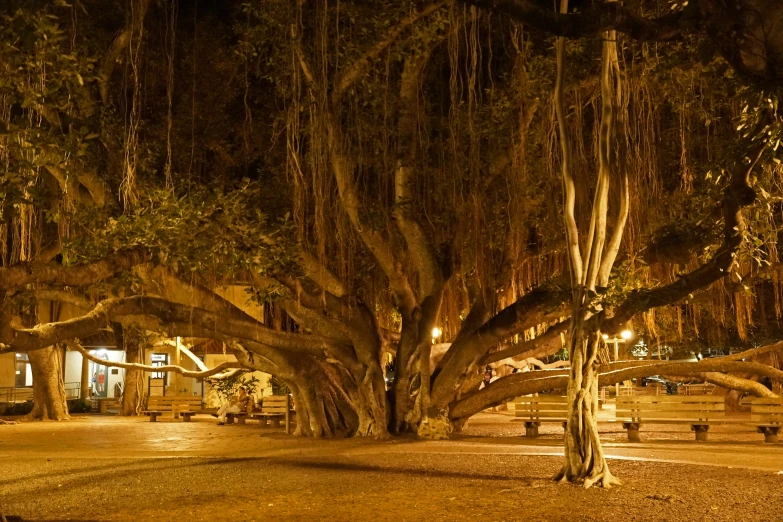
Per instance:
(16,394)
(10,394)
(73,390)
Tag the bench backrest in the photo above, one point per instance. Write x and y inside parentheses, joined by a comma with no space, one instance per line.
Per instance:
(541,407)
(674,407)
(275,404)
(695,389)
(651,389)
(174,402)
(766,411)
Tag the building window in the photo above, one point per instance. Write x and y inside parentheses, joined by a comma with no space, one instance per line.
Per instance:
(160,359)
(22,363)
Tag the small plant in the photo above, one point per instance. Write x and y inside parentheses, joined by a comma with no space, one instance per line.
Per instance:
(79,406)
(19,408)
(229,387)
(279,387)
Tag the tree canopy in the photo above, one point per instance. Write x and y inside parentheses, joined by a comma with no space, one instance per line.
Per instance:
(376,172)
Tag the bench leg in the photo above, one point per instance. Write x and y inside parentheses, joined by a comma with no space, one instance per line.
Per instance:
(531,430)
(770,434)
(229,419)
(241,419)
(275,422)
(632,428)
(153,417)
(186,418)
(701,432)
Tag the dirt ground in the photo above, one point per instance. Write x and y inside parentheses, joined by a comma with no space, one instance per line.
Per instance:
(104,468)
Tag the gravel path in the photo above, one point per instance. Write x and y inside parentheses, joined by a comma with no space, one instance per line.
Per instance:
(379,487)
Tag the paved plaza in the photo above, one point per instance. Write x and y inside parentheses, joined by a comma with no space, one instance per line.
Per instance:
(110,468)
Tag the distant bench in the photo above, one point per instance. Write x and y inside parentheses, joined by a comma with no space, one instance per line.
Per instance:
(534,410)
(107,405)
(178,405)
(274,408)
(633,391)
(767,415)
(700,412)
(695,389)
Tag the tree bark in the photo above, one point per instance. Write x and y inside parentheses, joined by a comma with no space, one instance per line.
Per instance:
(584,457)
(49,401)
(133,393)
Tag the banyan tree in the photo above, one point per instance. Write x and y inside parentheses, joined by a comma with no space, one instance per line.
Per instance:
(445,185)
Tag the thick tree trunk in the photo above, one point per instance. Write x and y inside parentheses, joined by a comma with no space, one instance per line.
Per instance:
(85,382)
(584,456)
(49,400)
(371,404)
(133,393)
(405,389)
(324,402)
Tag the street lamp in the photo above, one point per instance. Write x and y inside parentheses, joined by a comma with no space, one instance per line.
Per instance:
(624,336)
(436,332)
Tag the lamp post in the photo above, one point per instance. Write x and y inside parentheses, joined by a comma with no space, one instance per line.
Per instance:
(624,336)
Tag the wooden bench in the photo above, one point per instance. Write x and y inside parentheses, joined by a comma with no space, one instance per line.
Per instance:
(534,410)
(695,389)
(178,405)
(767,415)
(112,405)
(698,411)
(275,408)
(239,417)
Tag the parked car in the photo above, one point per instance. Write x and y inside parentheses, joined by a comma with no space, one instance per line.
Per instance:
(657,380)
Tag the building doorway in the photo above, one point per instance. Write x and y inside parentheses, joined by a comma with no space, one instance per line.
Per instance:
(23,374)
(99,375)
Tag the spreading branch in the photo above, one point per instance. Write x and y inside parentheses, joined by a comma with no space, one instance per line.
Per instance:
(593,21)
(738,195)
(55,274)
(169,368)
(208,324)
(358,68)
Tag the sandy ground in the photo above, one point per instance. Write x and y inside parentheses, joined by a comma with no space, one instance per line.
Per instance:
(105,468)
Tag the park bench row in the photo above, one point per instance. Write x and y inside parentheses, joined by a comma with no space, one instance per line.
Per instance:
(274,408)
(657,389)
(698,411)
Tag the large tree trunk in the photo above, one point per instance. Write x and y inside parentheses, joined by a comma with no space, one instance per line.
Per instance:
(49,400)
(325,397)
(324,401)
(133,393)
(584,456)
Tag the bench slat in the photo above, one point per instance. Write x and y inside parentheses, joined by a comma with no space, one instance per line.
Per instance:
(670,399)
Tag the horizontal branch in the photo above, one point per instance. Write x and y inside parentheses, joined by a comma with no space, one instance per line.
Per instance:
(518,384)
(168,368)
(737,195)
(594,20)
(166,313)
(541,346)
(358,68)
(55,274)
(534,308)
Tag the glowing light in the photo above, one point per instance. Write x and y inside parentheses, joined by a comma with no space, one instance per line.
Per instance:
(18,355)
(626,334)
(605,337)
(436,332)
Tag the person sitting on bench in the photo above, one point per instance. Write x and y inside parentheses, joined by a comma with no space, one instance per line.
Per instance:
(240,404)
